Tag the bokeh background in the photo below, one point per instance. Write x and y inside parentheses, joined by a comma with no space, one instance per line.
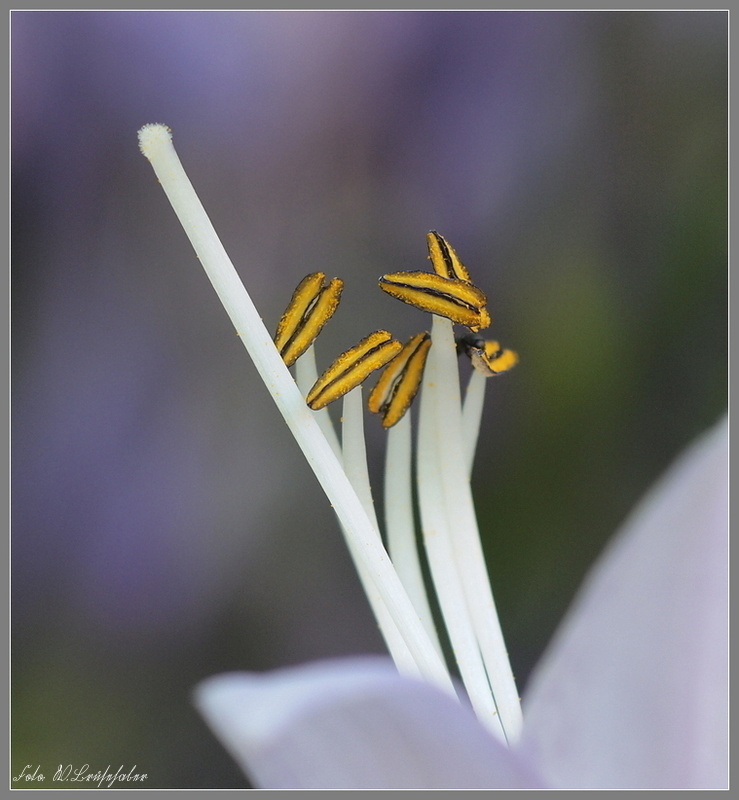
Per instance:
(165,526)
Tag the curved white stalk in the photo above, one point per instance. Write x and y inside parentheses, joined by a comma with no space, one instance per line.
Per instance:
(156,144)
(306,374)
(354,456)
(474,399)
(468,554)
(354,451)
(438,533)
(399,523)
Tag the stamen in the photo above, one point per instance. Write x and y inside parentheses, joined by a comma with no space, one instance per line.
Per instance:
(306,374)
(456,300)
(354,455)
(385,588)
(440,530)
(474,400)
(352,367)
(486,356)
(312,305)
(355,452)
(400,381)
(443,258)
(400,525)
(488,360)
(468,556)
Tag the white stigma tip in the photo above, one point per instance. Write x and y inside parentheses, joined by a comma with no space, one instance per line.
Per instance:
(153,136)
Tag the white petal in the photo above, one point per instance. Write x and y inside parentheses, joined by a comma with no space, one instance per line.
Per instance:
(352,724)
(633,691)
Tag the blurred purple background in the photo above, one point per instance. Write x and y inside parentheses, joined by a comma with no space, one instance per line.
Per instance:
(165,526)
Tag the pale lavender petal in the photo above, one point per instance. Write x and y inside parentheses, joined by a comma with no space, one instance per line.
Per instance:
(633,691)
(353,724)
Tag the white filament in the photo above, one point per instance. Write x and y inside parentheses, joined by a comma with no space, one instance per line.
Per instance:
(156,144)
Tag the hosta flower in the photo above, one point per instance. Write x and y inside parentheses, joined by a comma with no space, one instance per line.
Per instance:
(632,692)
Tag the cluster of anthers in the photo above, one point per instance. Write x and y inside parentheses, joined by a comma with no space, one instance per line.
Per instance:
(448,292)
(388,567)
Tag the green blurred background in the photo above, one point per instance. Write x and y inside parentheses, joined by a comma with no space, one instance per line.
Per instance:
(165,526)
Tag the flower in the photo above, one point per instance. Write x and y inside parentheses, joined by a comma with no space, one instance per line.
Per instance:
(631,694)
(602,711)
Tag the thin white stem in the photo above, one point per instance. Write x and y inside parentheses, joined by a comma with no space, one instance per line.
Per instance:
(156,144)
(469,557)
(399,523)
(474,400)
(306,374)
(437,537)
(354,451)
(354,455)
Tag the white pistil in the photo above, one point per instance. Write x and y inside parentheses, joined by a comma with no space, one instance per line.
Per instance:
(399,523)
(364,544)
(465,539)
